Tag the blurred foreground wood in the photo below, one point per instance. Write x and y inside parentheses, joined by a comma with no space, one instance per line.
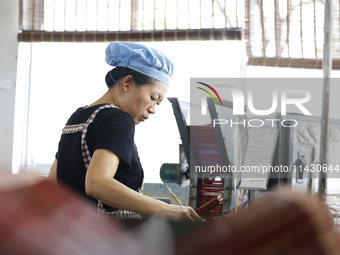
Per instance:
(37,217)
(283,223)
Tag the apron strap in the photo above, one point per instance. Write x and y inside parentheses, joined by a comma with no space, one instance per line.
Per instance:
(71,129)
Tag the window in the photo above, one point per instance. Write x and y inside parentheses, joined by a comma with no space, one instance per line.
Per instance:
(278,33)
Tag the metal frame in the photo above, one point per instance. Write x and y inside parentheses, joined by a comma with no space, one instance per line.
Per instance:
(228,179)
(183,131)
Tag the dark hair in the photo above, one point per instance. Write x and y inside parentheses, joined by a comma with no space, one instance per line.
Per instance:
(121,72)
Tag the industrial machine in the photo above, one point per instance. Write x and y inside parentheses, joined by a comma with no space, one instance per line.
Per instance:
(294,147)
(200,147)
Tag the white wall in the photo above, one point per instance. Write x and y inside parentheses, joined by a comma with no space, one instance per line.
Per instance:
(8,65)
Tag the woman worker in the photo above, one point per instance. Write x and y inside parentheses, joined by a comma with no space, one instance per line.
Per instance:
(97,155)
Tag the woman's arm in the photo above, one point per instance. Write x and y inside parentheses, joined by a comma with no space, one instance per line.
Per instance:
(52,175)
(99,184)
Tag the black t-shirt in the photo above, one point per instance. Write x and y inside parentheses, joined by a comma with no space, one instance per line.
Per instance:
(112,129)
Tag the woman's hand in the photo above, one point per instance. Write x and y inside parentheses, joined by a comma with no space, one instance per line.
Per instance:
(176,212)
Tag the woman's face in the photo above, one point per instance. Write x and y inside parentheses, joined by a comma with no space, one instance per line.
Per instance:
(142,101)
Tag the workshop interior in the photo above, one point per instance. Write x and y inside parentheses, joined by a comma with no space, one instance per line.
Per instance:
(248,136)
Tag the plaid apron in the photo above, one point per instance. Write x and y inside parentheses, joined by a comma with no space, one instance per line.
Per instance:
(71,129)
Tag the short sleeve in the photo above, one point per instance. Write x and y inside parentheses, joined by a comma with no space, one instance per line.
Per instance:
(116,133)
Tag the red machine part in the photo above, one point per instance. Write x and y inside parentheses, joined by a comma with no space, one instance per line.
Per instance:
(206,191)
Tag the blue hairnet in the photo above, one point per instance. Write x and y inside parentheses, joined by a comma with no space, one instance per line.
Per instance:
(140,58)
